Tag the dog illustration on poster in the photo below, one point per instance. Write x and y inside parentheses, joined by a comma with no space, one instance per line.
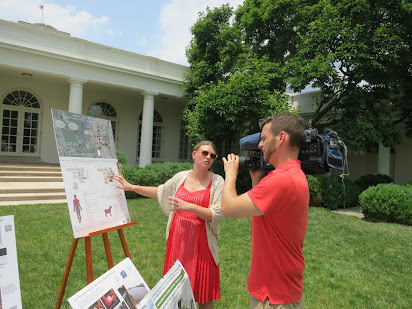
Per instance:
(108,211)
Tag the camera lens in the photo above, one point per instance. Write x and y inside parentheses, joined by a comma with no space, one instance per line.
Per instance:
(249,163)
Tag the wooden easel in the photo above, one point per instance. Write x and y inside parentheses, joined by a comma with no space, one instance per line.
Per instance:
(88,248)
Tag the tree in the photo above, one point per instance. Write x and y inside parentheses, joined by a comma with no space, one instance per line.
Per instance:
(358,52)
(223,110)
(227,87)
(214,49)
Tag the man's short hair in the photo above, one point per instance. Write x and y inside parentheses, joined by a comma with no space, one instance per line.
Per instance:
(292,124)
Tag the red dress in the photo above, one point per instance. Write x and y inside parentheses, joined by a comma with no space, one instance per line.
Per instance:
(187,242)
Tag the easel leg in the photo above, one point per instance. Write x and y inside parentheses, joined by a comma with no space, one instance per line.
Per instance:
(124,244)
(108,251)
(66,273)
(89,266)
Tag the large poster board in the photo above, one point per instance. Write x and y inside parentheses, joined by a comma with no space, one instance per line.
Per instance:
(88,162)
(10,297)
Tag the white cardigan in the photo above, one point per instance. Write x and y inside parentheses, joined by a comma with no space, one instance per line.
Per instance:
(170,187)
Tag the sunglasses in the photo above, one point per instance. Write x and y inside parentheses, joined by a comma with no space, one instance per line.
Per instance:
(205,153)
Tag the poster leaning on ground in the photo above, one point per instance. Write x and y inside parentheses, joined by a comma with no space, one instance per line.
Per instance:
(122,287)
(10,296)
(88,162)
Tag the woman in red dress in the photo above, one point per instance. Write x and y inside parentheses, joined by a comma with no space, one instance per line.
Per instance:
(191,199)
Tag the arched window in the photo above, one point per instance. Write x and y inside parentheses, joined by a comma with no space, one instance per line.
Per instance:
(106,111)
(21,98)
(184,150)
(20,124)
(157,135)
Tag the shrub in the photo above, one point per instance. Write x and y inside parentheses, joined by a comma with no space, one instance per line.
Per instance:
(352,192)
(121,158)
(332,191)
(315,191)
(129,173)
(386,202)
(372,179)
(159,173)
(403,213)
(152,175)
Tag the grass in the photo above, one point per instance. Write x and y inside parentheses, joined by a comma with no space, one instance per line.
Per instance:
(350,263)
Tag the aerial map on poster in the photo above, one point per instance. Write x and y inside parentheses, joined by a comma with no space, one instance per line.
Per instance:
(88,162)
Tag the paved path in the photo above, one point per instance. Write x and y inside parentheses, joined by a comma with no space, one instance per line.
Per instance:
(351,211)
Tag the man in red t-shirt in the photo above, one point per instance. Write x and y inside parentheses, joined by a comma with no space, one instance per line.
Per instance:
(278,205)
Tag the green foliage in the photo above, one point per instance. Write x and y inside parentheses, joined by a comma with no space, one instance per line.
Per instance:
(315,191)
(372,179)
(332,191)
(121,158)
(163,172)
(403,213)
(357,52)
(338,192)
(152,175)
(213,50)
(228,88)
(352,192)
(387,202)
(129,172)
(220,111)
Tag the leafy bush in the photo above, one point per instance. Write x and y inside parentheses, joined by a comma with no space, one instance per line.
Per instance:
(387,202)
(121,158)
(152,175)
(315,191)
(159,173)
(403,213)
(352,192)
(129,173)
(338,192)
(332,191)
(372,179)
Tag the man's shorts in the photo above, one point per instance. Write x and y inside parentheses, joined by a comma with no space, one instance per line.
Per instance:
(257,304)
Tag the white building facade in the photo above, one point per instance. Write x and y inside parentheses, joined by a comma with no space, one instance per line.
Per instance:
(43,68)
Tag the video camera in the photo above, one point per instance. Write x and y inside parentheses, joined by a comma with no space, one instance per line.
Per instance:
(318,153)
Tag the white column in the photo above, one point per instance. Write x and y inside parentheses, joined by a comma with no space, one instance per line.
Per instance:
(384,159)
(76,95)
(147,130)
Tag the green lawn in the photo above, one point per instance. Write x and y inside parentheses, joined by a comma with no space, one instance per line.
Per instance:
(350,263)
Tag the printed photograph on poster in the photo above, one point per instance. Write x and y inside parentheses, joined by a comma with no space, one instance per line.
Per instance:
(120,287)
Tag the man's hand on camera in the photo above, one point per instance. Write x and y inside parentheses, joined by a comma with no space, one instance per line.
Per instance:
(256,176)
(231,165)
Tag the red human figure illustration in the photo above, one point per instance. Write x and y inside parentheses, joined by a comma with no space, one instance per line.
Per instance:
(77,208)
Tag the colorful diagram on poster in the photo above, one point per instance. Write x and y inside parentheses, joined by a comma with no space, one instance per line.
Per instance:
(83,136)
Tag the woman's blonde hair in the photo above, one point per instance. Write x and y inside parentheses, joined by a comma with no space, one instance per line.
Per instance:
(202,143)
